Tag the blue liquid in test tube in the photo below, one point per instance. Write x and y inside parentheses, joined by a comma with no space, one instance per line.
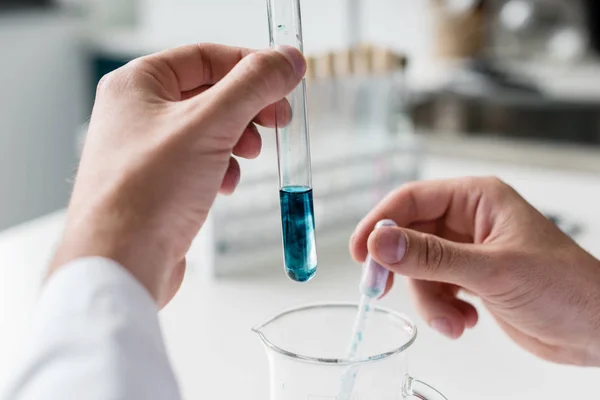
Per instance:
(298,223)
(293,153)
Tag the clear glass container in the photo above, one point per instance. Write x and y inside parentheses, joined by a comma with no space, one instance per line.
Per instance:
(307,346)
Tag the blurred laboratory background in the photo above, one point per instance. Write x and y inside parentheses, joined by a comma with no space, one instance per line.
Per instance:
(398,90)
(389,83)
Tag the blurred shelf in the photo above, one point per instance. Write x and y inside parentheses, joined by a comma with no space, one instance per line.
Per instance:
(575,82)
(568,157)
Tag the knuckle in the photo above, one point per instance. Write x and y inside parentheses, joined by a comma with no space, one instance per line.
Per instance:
(256,71)
(494,182)
(139,70)
(433,253)
(259,61)
(116,80)
(486,182)
(138,65)
(107,82)
(490,185)
(124,77)
(268,72)
(405,195)
(499,189)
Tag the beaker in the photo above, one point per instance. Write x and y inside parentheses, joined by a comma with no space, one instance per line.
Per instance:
(307,352)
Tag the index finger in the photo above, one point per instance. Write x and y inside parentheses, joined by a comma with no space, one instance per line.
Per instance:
(196,65)
(456,201)
(195,68)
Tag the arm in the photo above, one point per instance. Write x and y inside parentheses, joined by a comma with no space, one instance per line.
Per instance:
(95,336)
(160,147)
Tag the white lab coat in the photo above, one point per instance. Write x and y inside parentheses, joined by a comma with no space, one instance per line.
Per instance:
(95,336)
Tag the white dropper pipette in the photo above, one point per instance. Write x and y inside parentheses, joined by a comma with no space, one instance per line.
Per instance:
(375,277)
(372,286)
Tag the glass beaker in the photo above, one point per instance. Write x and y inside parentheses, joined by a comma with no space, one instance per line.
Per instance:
(307,351)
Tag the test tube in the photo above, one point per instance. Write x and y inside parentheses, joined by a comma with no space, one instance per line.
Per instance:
(293,152)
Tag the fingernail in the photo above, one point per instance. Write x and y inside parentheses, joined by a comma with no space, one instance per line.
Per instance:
(443,326)
(236,177)
(295,57)
(391,245)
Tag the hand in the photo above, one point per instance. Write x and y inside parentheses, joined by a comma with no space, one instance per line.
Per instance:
(160,147)
(480,236)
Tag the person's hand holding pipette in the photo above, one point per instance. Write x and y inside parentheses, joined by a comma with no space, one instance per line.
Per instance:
(479,235)
(159,149)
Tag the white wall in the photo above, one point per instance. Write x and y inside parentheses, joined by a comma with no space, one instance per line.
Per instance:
(403,24)
(42,101)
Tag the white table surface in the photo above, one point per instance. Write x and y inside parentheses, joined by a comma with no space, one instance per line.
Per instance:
(216,356)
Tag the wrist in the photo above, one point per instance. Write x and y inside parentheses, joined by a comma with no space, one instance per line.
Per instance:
(142,257)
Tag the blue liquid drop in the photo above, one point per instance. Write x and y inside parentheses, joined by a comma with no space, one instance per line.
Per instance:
(298,223)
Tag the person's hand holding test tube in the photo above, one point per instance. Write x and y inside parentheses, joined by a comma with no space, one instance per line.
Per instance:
(293,151)
(190,112)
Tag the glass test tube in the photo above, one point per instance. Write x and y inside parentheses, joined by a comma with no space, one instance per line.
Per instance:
(293,151)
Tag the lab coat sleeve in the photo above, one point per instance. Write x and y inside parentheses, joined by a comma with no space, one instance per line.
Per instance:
(95,336)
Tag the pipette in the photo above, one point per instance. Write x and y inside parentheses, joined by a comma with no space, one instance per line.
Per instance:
(375,277)
(293,152)
(372,285)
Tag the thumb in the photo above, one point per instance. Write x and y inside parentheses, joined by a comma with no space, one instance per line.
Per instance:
(257,81)
(427,257)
